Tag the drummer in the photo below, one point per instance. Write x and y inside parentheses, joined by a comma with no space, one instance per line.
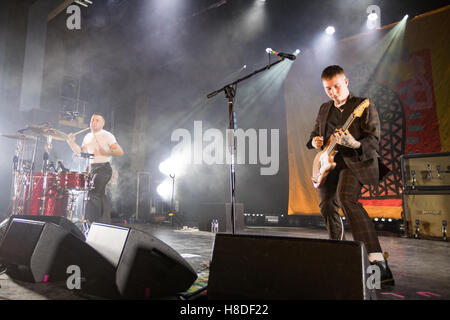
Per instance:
(103,145)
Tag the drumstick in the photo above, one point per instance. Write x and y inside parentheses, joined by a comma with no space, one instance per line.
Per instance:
(80,132)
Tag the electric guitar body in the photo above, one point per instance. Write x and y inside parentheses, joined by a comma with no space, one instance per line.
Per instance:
(323,164)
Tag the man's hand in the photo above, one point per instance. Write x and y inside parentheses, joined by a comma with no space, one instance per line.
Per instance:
(71,141)
(344,138)
(99,151)
(71,138)
(317,142)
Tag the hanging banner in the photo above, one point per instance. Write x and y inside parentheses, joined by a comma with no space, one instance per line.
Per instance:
(403,69)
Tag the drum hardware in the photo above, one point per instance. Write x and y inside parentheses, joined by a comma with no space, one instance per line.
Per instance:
(444,230)
(54,190)
(18,136)
(72,199)
(46,131)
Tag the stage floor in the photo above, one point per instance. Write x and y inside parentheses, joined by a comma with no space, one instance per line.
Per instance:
(421,268)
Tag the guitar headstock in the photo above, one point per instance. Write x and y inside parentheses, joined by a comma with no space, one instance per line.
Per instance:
(360,109)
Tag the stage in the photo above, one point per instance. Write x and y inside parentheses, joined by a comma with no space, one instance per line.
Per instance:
(421,268)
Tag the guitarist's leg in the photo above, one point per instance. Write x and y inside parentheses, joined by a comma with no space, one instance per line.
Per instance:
(329,207)
(363,229)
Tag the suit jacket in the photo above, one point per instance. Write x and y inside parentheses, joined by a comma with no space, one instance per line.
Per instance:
(364,162)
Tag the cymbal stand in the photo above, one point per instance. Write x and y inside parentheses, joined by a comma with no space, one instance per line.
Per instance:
(72,199)
(17,175)
(84,222)
(45,173)
(30,178)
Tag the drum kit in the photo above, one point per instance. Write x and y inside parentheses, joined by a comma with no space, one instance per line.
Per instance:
(53,191)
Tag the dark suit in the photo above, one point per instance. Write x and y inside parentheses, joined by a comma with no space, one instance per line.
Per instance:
(355,167)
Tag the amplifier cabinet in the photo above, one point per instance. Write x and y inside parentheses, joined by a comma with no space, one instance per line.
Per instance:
(427,213)
(426,171)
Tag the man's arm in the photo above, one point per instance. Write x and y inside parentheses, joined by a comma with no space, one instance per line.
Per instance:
(315,134)
(369,137)
(75,148)
(116,150)
(370,132)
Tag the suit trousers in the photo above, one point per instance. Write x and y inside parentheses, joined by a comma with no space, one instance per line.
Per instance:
(342,189)
(97,208)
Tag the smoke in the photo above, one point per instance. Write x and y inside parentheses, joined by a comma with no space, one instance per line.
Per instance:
(148,66)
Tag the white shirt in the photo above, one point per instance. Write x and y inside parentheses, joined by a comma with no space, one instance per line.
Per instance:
(104,138)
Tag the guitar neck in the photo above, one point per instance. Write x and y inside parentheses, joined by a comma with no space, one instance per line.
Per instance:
(345,127)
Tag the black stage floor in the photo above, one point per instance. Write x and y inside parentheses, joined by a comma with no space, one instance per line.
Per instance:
(421,268)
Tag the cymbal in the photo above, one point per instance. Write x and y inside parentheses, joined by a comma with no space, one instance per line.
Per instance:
(47,131)
(18,136)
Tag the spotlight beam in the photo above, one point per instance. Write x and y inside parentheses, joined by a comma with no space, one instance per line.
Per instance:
(233,84)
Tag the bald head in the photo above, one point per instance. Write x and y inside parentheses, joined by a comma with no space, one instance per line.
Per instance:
(97,123)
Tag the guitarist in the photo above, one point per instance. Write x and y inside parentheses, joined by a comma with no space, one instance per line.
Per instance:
(356,164)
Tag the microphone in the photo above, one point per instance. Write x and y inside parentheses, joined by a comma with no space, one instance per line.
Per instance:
(281,54)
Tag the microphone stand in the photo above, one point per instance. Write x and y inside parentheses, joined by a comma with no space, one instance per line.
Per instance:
(230,93)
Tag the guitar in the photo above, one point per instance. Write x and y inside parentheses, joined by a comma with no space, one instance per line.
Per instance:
(324,160)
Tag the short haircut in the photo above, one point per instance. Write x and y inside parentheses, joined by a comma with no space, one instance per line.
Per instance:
(98,114)
(332,71)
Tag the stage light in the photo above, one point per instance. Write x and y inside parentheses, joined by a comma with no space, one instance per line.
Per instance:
(372,17)
(165,189)
(330,30)
(168,167)
(176,164)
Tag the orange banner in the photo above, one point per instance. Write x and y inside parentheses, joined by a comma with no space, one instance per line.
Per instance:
(404,69)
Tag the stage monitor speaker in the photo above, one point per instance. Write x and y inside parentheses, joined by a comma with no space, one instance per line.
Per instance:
(60,221)
(272,268)
(40,251)
(145,266)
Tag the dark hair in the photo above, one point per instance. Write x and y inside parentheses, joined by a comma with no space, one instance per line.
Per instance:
(98,114)
(332,71)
